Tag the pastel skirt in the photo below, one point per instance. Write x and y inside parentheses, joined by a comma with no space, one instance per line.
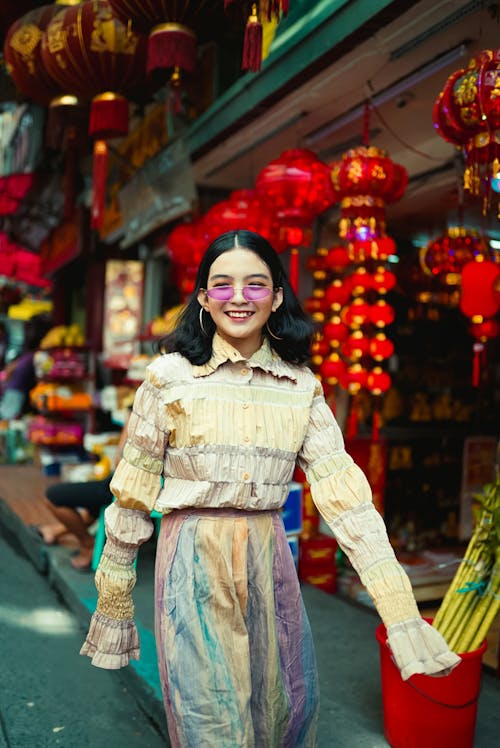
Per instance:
(235,650)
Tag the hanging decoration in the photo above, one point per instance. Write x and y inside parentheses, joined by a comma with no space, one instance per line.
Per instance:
(91,54)
(297,187)
(467,114)
(271,10)
(185,246)
(242,210)
(480,301)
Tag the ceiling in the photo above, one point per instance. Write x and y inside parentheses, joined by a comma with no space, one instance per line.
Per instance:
(401,69)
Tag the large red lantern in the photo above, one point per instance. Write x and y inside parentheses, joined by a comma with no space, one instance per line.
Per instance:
(91,54)
(467,113)
(298,188)
(445,256)
(243,210)
(22,50)
(365,179)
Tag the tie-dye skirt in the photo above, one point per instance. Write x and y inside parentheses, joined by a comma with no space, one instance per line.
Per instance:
(235,650)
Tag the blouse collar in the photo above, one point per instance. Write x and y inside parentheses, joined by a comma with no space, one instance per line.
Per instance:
(265,358)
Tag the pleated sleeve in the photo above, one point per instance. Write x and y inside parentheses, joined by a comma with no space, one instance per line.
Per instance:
(343,497)
(112,640)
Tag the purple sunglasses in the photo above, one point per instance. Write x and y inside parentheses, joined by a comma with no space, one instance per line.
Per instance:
(250,293)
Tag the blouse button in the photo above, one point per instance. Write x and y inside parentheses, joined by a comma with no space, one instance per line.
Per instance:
(246,439)
(243,372)
(245,405)
(246,476)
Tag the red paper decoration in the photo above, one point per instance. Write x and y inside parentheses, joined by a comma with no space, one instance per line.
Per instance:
(297,187)
(467,114)
(13,189)
(91,54)
(365,180)
(448,254)
(22,49)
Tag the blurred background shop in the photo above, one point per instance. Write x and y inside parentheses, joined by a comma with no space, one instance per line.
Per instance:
(361,138)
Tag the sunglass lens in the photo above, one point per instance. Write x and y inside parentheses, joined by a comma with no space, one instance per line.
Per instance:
(254,293)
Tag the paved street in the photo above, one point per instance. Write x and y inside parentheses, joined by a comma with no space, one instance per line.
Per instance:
(49,695)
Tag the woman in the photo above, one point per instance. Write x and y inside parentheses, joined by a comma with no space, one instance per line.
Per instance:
(225,417)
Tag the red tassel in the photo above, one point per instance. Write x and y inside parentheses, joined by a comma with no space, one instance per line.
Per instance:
(252,44)
(478,349)
(99,175)
(171,45)
(294,270)
(108,116)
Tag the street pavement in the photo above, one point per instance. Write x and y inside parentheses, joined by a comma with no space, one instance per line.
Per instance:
(49,696)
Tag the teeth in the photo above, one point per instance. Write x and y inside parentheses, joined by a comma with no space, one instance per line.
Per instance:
(239,314)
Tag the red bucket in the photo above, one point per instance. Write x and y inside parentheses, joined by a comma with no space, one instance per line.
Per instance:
(427,712)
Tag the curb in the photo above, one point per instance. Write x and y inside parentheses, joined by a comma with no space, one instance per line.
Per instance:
(78,592)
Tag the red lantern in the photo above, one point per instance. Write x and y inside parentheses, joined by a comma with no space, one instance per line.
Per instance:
(378,381)
(316,304)
(333,369)
(335,331)
(93,55)
(186,243)
(447,255)
(171,25)
(355,378)
(383,280)
(380,347)
(297,188)
(337,294)
(381,313)
(241,211)
(357,314)
(359,281)
(467,113)
(22,49)
(480,295)
(337,258)
(318,261)
(356,345)
(365,180)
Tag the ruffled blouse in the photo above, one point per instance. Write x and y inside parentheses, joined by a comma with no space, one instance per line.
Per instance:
(228,434)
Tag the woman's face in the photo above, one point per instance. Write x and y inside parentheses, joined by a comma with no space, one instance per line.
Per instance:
(240,320)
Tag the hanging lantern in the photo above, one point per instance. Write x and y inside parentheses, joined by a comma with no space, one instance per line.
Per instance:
(467,113)
(333,369)
(93,55)
(383,280)
(365,179)
(22,50)
(297,188)
(378,381)
(337,294)
(381,313)
(335,331)
(445,256)
(480,289)
(337,258)
(356,314)
(171,25)
(243,210)
(381,347)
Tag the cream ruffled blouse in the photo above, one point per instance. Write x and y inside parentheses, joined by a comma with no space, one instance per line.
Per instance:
(228,434)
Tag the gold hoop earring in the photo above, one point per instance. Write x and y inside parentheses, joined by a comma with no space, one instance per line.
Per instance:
(205,333)
(271,333)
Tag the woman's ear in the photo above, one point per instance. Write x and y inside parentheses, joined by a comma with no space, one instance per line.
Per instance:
(202,299)
(278,299)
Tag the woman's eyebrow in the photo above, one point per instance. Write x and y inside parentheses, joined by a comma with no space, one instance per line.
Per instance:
(219,276)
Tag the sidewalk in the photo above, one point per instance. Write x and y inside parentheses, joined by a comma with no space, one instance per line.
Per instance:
(347,652)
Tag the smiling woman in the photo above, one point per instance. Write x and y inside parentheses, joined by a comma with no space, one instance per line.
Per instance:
(224,417)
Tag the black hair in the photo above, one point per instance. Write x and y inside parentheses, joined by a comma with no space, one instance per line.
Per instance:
(288,322)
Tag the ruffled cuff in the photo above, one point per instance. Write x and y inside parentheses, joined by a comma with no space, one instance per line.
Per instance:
(417,647)
(111,644)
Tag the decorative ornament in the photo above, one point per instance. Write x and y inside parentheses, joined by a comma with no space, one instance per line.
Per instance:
(297,187)
(467,114)
(91,54)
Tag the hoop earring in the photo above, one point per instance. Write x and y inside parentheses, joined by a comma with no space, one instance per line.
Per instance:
(205,333)
(271,333)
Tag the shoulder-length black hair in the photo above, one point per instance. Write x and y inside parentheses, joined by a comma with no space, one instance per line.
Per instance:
(288,322)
